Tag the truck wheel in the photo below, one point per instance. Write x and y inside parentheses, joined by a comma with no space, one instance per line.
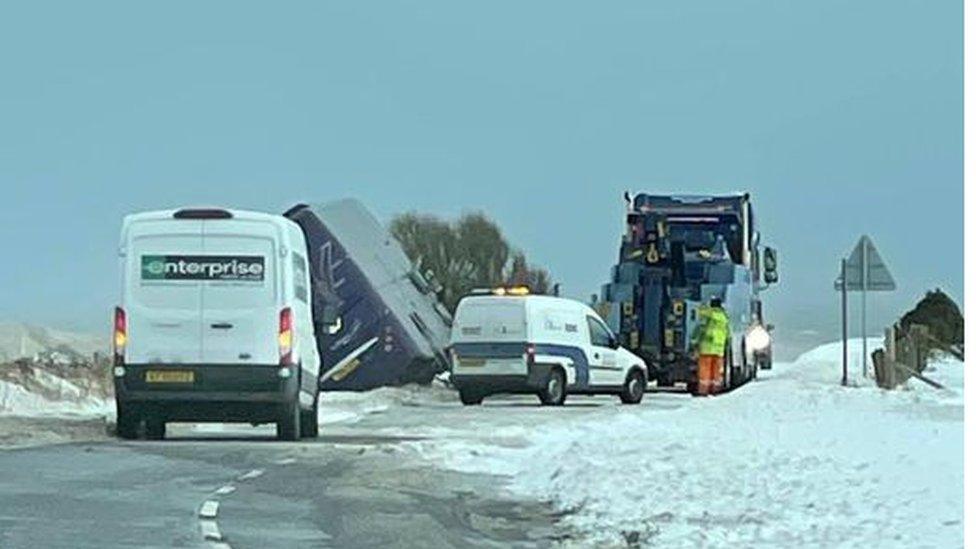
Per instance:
(310,419)
(470,398)
(634,388)
(126,422)
(289,424)
(733,374)
(155,428)
(665,380)
(553,393)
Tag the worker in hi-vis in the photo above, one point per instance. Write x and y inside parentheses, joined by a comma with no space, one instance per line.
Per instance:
(710,337)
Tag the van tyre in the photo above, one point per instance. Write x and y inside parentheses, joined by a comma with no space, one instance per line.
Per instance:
(289,424)
(470,398)
(310,419)
(553,392)
(126,422)
(155,429)
(634,387)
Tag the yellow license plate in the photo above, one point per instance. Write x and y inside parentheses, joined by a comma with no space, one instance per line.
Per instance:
(169,376)
(471,362)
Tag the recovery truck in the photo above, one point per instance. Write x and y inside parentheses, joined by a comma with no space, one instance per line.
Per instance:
(678,252)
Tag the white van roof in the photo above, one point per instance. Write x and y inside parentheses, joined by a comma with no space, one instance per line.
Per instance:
(288,228)
(531,301)
(206,213)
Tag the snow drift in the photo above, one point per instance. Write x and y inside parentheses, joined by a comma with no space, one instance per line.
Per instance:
(793,459)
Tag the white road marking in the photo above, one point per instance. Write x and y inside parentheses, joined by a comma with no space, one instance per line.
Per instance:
(209,509)
(224,490)
(210,531)
(285,461)
(253,473)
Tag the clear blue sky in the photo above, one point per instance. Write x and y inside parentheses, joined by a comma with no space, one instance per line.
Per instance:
(840,117)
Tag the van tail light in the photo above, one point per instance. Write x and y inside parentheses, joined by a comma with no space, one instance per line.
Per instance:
(530,355)
(286,336)
(120,336)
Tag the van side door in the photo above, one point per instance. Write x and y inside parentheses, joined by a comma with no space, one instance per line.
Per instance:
(602,357)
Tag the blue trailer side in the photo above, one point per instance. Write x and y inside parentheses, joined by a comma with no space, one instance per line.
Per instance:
(676,253)
(378,320)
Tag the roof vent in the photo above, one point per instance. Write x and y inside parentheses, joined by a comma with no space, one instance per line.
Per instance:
(202,213)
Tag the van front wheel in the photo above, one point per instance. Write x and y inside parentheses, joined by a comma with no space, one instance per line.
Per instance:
(289,424)
(553,393)
(310,420)
(126,422)
(634,387)
(470,398)
(155,428)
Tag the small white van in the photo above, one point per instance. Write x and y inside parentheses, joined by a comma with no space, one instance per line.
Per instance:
(506,341)
(215,323)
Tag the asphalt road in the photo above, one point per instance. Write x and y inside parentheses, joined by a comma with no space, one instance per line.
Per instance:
(353,490)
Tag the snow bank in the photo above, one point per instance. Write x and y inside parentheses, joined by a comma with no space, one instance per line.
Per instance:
(53,396)
(352,407)
(793,459)
(25,341)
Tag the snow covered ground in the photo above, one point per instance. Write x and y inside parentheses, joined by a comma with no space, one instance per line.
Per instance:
(793,459)
(790,460)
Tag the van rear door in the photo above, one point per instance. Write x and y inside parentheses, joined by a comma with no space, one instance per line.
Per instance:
(162,301)
(239,303)
(493,319)
(489,336)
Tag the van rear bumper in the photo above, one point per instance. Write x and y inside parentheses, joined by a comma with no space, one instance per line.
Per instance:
(488,384)
(219,392)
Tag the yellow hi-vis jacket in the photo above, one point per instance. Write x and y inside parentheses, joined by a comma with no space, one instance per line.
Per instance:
(712,332)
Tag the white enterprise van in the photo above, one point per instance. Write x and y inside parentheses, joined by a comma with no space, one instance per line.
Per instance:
(510,342)
(215,323)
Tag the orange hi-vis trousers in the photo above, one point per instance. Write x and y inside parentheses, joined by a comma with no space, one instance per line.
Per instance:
(710,374)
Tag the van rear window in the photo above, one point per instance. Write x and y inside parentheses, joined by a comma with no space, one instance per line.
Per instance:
(244,268)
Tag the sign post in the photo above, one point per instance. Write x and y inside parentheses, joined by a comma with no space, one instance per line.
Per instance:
(863,270)
(843,313)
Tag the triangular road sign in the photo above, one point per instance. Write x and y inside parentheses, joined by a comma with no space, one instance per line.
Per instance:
(865,263)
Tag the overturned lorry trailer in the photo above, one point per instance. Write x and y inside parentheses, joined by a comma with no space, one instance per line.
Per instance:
(676,254)
(378,320)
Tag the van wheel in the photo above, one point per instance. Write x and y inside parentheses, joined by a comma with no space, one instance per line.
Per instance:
(310,420)
(155,429)
(634,387)
(470,398)
(553,393)
(289,425)
(126,422)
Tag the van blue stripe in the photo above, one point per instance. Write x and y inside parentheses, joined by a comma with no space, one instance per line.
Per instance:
(512,349)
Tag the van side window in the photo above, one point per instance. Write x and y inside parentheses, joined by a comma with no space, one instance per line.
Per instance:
(599,335)
(301,275)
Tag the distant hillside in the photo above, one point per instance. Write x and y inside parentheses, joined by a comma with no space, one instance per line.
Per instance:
(25,341)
